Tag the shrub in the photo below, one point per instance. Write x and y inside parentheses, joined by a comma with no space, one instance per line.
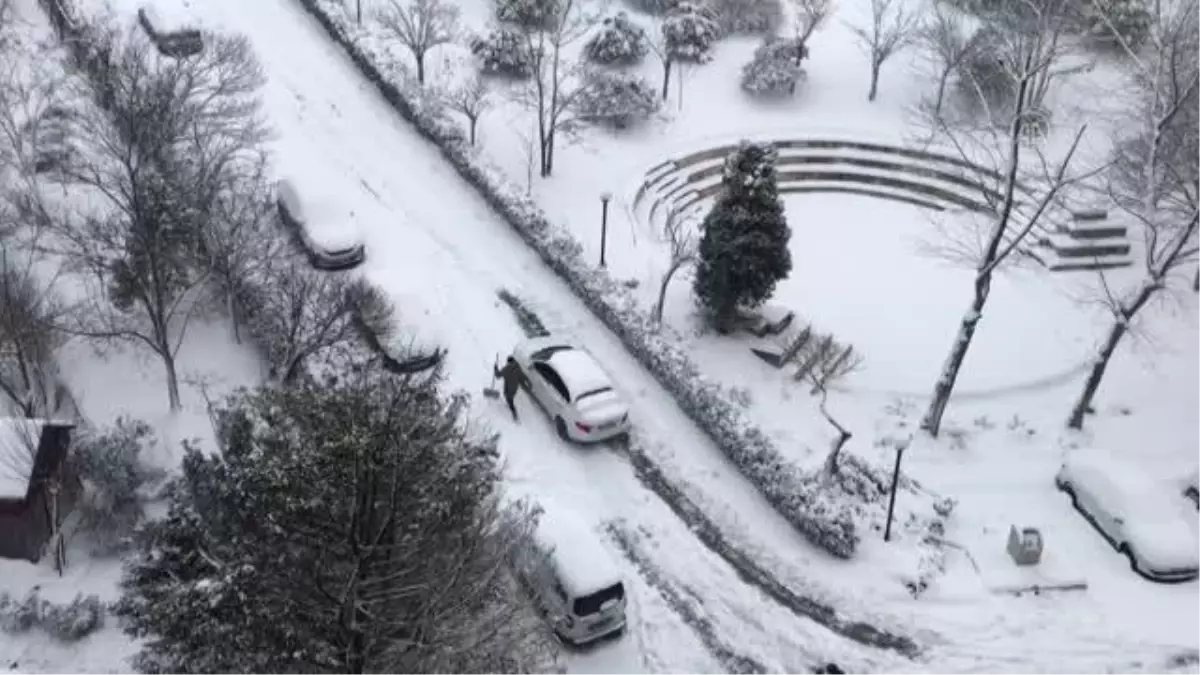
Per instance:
(526,13)
(689,32)
(617,99)
(67,623)
(775,69)
(619,42)
(115,477)
(653,7)
(1105,20)
(503,51)
(748,16)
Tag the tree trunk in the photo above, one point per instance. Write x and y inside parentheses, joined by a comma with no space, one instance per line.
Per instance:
(1116,333)
(1196,282)
(874,80)
(472,122)
(549,168)
(662,290)
(666,78)
(420,68)
(172,380)
(932,421)
(941,93)
(292,371)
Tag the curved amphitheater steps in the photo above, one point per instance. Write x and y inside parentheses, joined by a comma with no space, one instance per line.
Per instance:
(1060,241)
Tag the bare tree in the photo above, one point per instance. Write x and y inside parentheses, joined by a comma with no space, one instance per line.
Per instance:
(946,40)
(471,98)
(555,86)
(1019,197)
(892,29)
(29,313)
(169,142)
(682,242)
(420,25)
(808,16)
(1155,178)
(306,313)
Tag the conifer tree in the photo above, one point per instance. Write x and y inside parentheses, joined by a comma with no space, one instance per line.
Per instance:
(347,526)
(743,249)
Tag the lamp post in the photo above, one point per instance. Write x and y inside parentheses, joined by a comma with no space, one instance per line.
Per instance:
(901,446)
(605,198)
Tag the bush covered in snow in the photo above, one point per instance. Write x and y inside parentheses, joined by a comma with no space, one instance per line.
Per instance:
(619,42)
(115,480)
(1113,21)
(755,17)
(67,623)
(828,523)
(503,51)
(526,13)
(617,99)
(653,7)
(689,32)
(775,69)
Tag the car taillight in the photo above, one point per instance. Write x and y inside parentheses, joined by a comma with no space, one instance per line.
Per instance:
(585,428)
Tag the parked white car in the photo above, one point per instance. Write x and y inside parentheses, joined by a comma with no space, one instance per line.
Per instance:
(573,389)
(574,580)
(1138,516)
(331,242)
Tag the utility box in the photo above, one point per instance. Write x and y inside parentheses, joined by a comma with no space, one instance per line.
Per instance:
(1025,545)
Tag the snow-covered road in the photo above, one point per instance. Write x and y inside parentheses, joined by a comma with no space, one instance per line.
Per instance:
(438,250)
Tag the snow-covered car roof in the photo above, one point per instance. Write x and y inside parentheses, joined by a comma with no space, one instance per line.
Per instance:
(580,370)
(1153,521)
(583,565)
(326,223)
(18,445)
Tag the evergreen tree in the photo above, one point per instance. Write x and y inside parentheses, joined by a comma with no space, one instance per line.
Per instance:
(348,526)
(743,249)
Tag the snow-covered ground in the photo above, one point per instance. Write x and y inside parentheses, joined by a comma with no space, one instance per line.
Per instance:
(438,251)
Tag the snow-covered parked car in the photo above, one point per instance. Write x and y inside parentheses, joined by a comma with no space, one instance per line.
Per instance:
(1191,486)
(573,389)
(171,39)
(575,582)
(332,242)
(1137,516)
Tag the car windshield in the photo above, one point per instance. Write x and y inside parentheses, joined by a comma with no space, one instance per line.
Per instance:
(590,604)
(593,392)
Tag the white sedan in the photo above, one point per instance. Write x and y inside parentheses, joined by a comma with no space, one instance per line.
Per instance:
(1137,516)
(331,240)
(573,389)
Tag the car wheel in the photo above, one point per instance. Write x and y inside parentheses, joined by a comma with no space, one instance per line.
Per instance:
(561,427)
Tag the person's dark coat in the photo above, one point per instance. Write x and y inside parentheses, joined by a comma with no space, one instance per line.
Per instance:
(512,376)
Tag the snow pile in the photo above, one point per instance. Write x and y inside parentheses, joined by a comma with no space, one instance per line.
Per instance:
(821,510)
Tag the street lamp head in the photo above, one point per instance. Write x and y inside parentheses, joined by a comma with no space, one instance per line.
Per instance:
(606,197)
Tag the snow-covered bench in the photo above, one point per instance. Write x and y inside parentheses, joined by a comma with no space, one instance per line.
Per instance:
(172,40)
(1063,239)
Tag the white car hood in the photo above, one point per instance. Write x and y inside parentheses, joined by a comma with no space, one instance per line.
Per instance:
(1167,544)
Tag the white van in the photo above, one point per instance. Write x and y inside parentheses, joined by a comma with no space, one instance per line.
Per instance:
(574,580)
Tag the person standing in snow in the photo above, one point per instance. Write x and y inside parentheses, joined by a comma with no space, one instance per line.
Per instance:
(513,379)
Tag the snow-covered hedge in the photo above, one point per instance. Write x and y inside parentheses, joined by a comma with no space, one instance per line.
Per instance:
(775,69)
(822,515)
(67,623)
(619,42)
(754,17)
(503,51)
(527,13)
(617,99)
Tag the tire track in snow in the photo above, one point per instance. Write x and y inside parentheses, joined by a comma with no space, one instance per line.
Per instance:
(685,607)
(708,533)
